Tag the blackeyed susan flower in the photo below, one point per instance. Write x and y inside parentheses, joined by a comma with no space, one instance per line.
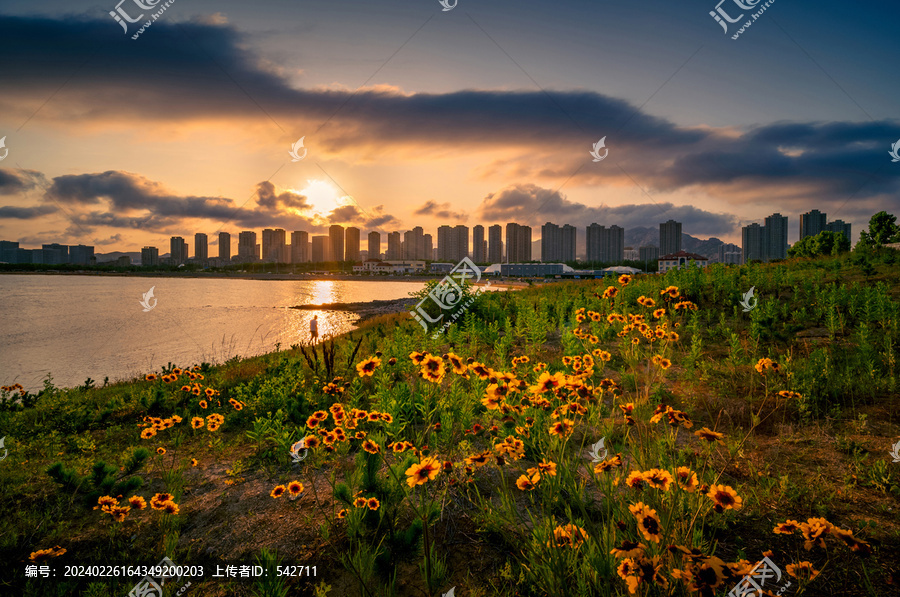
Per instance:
(137,502)
(374,416)
(802,570)
(648,521)
(763,365)
(478,459)
(547,468)
(170,507)
(150,377)
(423,472)
(213,426)
(197,422)
(432,368)
(107,501)
(160,450)
(814,530)
(635,480)
(458,364)
(278,491)
(562,428)
(857,545)
(786,528)
(342,513)
(624,279)
(373,503)
(148,433)
(367,367)
(320,415)
(480,370)
(312,422)
(725,498)
(709,435)
(387,418)
(608,464)
(526,483)
(194,462)
(610,292)
(371,447)
(601,354)
(160,498)
(658,479)
(687,479)
(569,535)
(628,549)
(295,488)
(789,395)
(203,404)
(360,502)
(417,357)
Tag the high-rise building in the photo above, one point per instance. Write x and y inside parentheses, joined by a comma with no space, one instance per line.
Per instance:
(84,254)
(429,248)
(394,247)
(225,246)
(648,254)
(550,243)
(754,242)
(776,236)
(495,244)
(839,227)
(729,253)
(55,254)
(413,245)
(351,244)
(274,245)
(9,251)
(374,245)
(149,256)
(299,246)
(321,248)
(178,250)
(518,243)
(443,242)
(459,243)
(669,237)
(336,238)
(604,244)
(812,223)
(201,247)
(248,249)
(479,253)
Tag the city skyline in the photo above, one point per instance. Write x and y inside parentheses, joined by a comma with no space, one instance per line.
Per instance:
(765,242)
(392,146)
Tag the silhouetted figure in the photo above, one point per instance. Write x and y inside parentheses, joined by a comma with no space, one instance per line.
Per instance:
(314,328)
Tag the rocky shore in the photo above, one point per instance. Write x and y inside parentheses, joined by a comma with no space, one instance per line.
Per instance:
(365,309)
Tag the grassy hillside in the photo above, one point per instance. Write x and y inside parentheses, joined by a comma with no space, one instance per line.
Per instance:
(472,460)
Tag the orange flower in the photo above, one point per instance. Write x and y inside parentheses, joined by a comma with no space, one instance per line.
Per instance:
(423,472)
(725,498)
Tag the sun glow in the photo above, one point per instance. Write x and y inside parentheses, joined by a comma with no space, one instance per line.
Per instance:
(322,197)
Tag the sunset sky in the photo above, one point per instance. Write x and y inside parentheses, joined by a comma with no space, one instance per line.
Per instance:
(413,116)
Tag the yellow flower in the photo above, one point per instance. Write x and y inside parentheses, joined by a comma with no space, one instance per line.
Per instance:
(295,488)
(725,498)
(278,491)
(367,367)
(423,472)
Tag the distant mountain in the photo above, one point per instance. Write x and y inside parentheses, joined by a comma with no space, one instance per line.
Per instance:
(134,255)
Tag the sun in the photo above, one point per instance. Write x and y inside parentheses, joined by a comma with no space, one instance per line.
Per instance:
(322,197)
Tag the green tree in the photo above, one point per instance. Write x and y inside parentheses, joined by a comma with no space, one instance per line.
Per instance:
(883,229)
(824,243)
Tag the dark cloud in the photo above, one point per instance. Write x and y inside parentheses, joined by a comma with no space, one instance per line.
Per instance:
(533,205)
(25,213)
(441,211)
(124,200)
(19,181)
